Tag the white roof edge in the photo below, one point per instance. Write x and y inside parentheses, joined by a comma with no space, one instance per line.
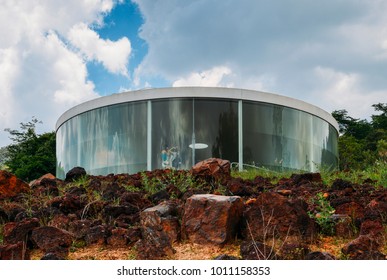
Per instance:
(208,92)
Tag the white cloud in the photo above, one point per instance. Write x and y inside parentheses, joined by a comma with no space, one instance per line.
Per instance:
(340,90)
(271,47)
(39,74)
(210,78)
(113,55)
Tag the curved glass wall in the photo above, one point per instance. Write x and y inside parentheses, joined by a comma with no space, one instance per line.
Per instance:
(178,132)
(105,140)
(283,138)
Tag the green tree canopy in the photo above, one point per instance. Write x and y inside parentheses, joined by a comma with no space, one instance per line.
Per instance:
(361,141)
(31,155)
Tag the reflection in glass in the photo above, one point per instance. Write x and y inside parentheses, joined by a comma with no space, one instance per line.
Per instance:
(183,131)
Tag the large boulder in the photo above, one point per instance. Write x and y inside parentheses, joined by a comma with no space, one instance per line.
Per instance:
(212,219)
(272,215)
(52,240)
(160,229)
(10,185)
(161,220)
(214,167)
(15,232)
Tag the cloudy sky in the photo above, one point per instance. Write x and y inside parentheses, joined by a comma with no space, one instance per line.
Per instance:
(55,54)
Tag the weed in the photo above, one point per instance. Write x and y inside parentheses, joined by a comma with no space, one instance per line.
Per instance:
(323,217)
(77,244)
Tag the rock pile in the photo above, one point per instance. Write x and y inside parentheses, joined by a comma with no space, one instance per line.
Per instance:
(153,211)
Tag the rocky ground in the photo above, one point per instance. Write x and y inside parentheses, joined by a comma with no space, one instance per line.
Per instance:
(203,213)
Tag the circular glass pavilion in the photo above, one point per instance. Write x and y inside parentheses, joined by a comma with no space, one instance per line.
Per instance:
(178,127)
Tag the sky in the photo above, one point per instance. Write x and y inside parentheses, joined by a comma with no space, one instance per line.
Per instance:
(55,54)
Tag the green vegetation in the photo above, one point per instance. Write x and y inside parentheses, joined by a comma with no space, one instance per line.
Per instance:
(30,155)
(323,217)
(181,180)
(362,143)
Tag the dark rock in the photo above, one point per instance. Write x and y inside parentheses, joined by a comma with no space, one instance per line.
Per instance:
(11,186)
(148,249)
(317,255)
(16,251)
(79,228)
(134,234)
(377,208)
(344,226)
(237,187)
(136,200)
(304,178)
(352,209)
(161,222)
(15,232)
(212,167)
(60,221)
(335,202)
(52,256)
(97,235)
(340,184)
(212,219)
(3,216)
(251,250)
(160,228)
(159,196)
(71,203)
(225,257)
(113,211)
(13,210)
(373,228)
(77,191)
(273,215)
(118,237)
(127,220)
(112,191)
(75,173)
(361,247)
(52,240)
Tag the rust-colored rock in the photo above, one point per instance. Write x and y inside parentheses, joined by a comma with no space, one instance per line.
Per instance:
(10,185)
(15,232)
(161,220)
(212,167)
(38,181)
(212,219)
(16,251)
(373,228)
(118,237)
(364,247)
(52,240)
(273,215)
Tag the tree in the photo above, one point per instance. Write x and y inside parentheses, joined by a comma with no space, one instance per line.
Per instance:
(360,141)
(31,155)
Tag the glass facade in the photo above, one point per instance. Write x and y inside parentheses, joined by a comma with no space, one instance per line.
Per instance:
(178,132)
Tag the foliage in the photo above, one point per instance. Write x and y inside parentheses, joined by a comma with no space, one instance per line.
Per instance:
(182,180)
(30,155)
(323,217)
(361,142)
